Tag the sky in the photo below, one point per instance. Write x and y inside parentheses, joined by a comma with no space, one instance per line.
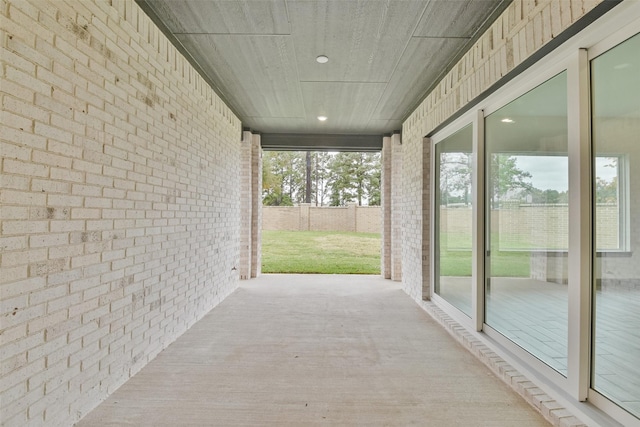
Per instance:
(550,172)
(547,172)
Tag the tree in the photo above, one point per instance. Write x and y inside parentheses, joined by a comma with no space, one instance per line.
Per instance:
(354,177)
(373,183)
(607,191)
(272,183)
(307,187)
(455,178)
(340,186)
(507,179)
(549,196)
(282,177)
(320,176)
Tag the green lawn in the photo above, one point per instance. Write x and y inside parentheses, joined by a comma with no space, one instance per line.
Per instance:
(503,263)
(512,260)
(320,252)
(329,252)
(456,260)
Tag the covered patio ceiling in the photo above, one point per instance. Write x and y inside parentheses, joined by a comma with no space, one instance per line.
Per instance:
(384,56)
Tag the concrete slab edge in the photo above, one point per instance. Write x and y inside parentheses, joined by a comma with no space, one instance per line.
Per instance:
(548,407)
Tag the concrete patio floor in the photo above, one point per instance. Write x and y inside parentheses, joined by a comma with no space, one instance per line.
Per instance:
(294,350)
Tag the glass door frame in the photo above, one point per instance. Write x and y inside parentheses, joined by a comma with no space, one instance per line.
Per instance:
(599,400)
(474,119)
(575,59)
(522,84)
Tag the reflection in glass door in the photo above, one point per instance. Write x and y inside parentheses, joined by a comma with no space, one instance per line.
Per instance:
(526,296)
(453,218)
(616,146)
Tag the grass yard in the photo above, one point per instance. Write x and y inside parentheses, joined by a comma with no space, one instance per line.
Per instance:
(503,264)
(512,261)
(331,252)
(320,252)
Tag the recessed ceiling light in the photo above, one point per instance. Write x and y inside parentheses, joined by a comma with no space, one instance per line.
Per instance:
(507,120)
(322,59)
(322,118)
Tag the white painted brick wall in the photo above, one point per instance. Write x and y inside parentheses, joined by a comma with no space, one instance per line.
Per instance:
(246,205)
(385,203)
(522,29)
(353,218)
(256,206)
(119,220)
(397,206)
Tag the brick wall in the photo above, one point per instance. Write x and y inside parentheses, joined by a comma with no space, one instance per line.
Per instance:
(542,228)
(246,206)
(536,226)
(622,271)
(426,220)
(385,208)
(368,219)
(359,219)
(280,218)
(398,193)
(120,202)
(256,206)
(521,30)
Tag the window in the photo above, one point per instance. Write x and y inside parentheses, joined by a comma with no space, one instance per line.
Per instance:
(611,202)
(558,293)
(526,297)
(615,88)
(453,216)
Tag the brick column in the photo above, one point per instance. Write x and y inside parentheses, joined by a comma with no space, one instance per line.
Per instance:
(303,217)
(246,204)
(250,205)
(385,211)
(256,206)
(426,219)
(396,207)
(352,217)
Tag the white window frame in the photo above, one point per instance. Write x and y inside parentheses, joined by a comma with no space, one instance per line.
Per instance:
(624,212)
(625,32)
(615,26)
(525,82)
(457,125)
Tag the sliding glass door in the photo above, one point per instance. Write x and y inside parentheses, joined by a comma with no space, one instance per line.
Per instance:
(527,221)
(560,293)
(615,83)
(453,218)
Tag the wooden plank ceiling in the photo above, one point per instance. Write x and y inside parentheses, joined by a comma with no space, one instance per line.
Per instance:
(384,55)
